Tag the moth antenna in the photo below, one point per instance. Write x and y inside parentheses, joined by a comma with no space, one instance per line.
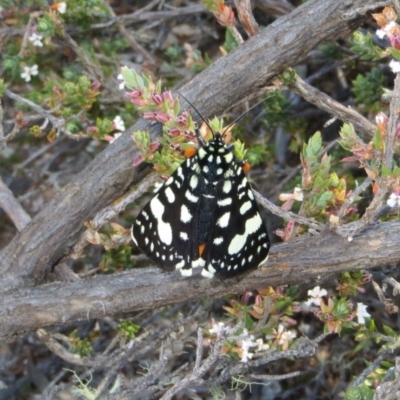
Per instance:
(242,115)
(198,112)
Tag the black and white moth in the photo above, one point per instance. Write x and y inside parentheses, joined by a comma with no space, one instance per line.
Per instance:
(205,215)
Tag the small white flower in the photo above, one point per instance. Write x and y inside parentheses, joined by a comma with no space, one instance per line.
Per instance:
(36,39)
(62,7)
(122,84)
(261,346)
(29,72)
(393,200)
(395,66)
(119,124)
(380,33)
(315,296)
(287,336)
(245,344)
(362,313)
(296,195)
(218,328)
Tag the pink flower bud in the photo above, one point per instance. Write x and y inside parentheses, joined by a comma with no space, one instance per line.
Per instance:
(154,146)
(138,160)
(167,95)
(134,94)
(182,119)
(96,85)
(246,297)
(162,117)
(92,130)
(174,132)
(150,115)
(157,98)
(258,301)
(137,102)
(394,40)
(189,135)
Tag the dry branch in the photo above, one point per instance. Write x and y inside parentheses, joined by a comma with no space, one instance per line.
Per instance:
(314,259)
(54,231)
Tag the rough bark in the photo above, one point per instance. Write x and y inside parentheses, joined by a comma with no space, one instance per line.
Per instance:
(313,259)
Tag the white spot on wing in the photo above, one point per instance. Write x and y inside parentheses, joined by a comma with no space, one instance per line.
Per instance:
(201,153)
(163,228)
(218,240)
(185,215)
(186,272)
(227,187)
(170,195)
(239,241)
(250,194)
(224,220)
(194,181)
(200,262)
(225,202)
(229,157)
(180,173)
(184,236)
(207,274)
(264,261)
(191,197)
(180,264)
(246,206)
(133,237)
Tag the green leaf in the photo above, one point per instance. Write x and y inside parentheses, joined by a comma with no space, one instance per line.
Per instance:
(389,331)
(368,89)
(364,47)
(361,392)
(394,52)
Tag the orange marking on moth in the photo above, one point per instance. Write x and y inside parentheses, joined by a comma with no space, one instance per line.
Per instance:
(246,167)
(201,249)
(190,152)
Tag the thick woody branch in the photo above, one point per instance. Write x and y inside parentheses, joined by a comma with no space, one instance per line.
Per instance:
(313,259)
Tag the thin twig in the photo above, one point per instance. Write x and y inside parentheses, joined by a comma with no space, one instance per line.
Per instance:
(153,15)
(287,214)
(246,17)
(12,207)
(393,118)
(326,103)
(199,351)
(350,200)
(277,377)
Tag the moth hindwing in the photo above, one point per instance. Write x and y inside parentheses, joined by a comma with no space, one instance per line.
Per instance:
(205,215)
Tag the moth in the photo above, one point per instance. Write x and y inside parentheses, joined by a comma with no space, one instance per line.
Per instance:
(204,216)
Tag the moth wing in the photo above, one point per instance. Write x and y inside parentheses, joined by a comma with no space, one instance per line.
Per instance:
(162,230)
(239,241)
